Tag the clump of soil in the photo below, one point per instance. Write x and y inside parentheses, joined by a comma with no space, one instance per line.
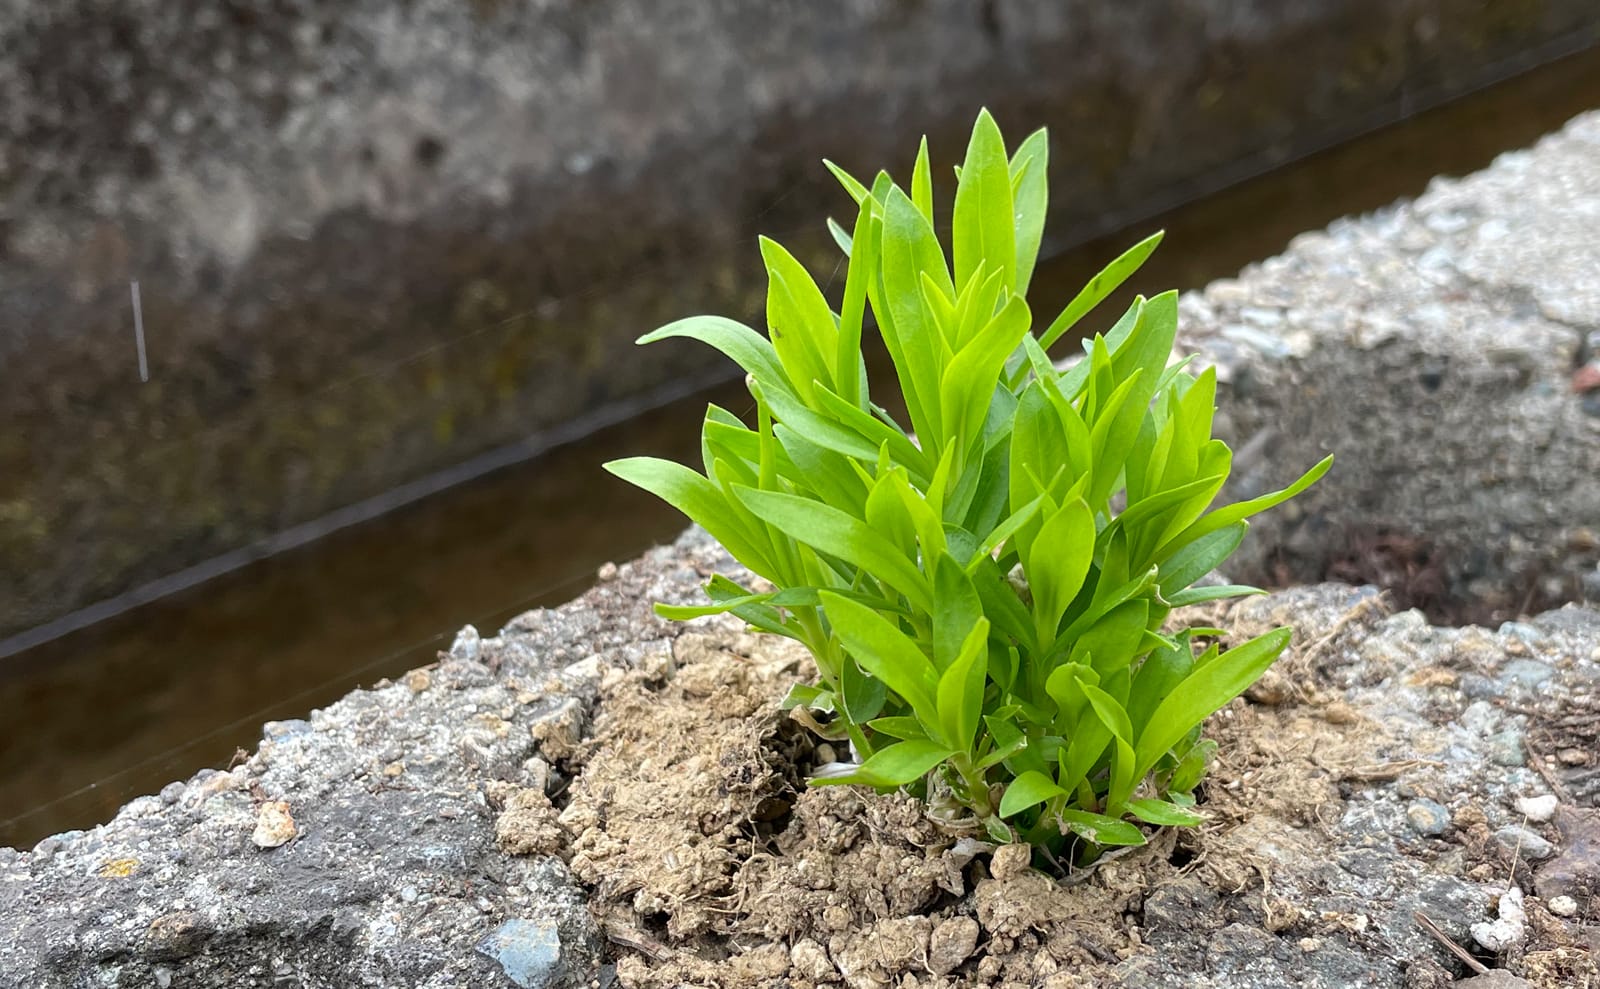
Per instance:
(711,864)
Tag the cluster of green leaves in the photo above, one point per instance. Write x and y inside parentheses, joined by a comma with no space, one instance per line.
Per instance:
(984,594)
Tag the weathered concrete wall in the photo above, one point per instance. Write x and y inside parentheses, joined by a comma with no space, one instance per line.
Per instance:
(1433,346)
(374,239)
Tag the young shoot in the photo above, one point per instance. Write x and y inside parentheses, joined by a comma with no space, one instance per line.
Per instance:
(987,589)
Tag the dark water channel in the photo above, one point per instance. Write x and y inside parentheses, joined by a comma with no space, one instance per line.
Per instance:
(129,704)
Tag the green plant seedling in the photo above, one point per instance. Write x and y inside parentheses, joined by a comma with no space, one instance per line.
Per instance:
(986,594)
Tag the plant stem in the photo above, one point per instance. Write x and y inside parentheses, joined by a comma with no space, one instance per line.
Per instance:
(825,649)
(974,787)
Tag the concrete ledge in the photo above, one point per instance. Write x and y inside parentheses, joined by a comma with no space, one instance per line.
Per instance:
(1433,346)
(1439,349)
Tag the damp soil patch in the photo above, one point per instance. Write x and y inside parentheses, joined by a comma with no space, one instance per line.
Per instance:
(1360,785)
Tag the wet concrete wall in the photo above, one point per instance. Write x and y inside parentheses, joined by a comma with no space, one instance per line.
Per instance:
(375,240)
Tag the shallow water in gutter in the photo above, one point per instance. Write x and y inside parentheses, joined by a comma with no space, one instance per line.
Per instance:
(122,707)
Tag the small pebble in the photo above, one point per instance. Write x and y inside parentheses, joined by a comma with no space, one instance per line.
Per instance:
(1428,817)
(538,773)
(1574,757)
(1011,861)
(172,793)
(1505,749)
(1537,809)
(1340,713)
(810,961)
(1527,674)
(467,643)
(408,894)
(1524,843)
(608,571)
(528,952)
(1511,927)
(1495,978)
(1563,906)
(952,943)
(826,754)
(274,825)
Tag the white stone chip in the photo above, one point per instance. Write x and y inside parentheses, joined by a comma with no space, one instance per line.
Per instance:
(1537,809)
(1509,930)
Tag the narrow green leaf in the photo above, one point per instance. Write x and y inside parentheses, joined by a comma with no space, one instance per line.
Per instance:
(825,432)
(831,531)
(986,506)
(1156,677)
(1099,829)
(1016,520)
(886,653)
(803,331)
(961,686)
(922,182)
(1030,789)
(1001,604)
(1163,813)
(1081,753)
(886,515)
(806,695)
(903,728)
(897,765)
(849,369)
(861,696)
(1075,379)
(1227,516)
(1065,686)
(840,236)
(682,613)
(1115,637)
(1191,769)
(957,609)
(1057,562)
(747,348)
(967,388)
(1030,199)
(1216,592)
(875,432)
(910,249)
(809,467)
(1003,750)
(979,305)
(699,499)
(1100,286)
(1199,557)
(939,312)
(1203,693)
(984,227)
(924,519)
(1149,345)
(1115,719)
(857,191)
(904,762)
